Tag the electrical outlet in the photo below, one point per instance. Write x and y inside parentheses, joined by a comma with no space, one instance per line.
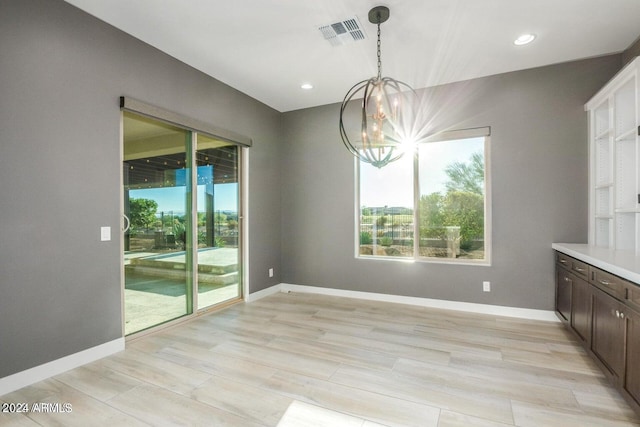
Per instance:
(271,272)
(486,286)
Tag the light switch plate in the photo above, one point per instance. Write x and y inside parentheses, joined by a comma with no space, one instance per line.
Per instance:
(105,234)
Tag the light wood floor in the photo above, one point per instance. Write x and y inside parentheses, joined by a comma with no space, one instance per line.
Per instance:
(329,361)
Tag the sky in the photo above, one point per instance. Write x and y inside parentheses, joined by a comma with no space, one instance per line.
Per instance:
(392,185)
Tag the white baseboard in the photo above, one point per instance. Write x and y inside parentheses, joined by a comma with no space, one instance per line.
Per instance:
(42,372)
(263,293)
(497,310)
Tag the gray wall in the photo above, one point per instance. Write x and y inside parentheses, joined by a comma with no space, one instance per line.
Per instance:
(539,174)
(631,52)
(61,74)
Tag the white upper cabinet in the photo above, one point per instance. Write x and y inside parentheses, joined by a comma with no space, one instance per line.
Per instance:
(614,156)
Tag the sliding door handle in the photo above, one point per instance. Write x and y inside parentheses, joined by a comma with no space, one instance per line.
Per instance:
(126,221)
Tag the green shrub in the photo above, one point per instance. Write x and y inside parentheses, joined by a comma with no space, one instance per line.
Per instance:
(365,238)
(386,241)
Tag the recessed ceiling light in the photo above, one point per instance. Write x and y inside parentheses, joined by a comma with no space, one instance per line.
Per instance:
(524,39)
(306,86)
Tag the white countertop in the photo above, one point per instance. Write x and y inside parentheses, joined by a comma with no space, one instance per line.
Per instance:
(625,264)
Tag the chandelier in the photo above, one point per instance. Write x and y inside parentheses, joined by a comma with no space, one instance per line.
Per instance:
(381,136)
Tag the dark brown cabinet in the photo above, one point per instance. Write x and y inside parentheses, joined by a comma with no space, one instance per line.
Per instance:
(603,311)
(581,309)
(573,295)
(563,294)
(632,375)
(609,330)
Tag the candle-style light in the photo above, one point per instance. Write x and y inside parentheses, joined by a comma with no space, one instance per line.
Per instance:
(385,112)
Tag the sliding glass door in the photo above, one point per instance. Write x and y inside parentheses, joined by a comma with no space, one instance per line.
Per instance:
(182,205)
(218,206)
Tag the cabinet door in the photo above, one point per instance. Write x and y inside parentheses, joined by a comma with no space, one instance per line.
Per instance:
(581,308)
(563,293)
(632,375)
(608,342)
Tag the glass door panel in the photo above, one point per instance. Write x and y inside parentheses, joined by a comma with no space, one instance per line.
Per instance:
(156,182)
(218,207)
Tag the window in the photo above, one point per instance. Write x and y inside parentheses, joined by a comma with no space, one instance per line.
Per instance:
(441,194)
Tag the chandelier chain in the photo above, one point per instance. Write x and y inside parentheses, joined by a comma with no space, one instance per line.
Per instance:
(379,55)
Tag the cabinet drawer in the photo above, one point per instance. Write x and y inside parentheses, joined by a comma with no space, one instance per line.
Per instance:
(563,260)
(613,285)
(580,269)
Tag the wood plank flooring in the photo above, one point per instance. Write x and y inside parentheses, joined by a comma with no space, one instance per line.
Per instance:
(309,360)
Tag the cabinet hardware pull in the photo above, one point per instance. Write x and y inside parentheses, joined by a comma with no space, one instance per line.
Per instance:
(604,282)
(618,314)
(579,269)
(563,261)
(621,315)
(566,279)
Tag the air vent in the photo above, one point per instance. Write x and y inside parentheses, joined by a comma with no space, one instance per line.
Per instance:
(343,32)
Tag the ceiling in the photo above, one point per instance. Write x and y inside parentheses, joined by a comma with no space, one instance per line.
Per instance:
(268,48)
(154,151)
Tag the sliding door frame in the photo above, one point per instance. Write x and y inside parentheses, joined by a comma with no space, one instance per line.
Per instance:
(195,128)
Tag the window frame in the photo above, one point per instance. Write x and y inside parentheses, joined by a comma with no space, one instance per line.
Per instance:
(452,135)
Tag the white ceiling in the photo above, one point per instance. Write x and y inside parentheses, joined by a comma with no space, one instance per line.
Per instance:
(268,48)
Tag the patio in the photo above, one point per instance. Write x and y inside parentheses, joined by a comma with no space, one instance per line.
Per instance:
(155,290)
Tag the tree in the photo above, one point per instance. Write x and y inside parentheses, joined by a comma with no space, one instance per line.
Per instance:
(468,176)
(465,210)
(219,217)
(462,205)
(431,215)
(202,219)
(142,213)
